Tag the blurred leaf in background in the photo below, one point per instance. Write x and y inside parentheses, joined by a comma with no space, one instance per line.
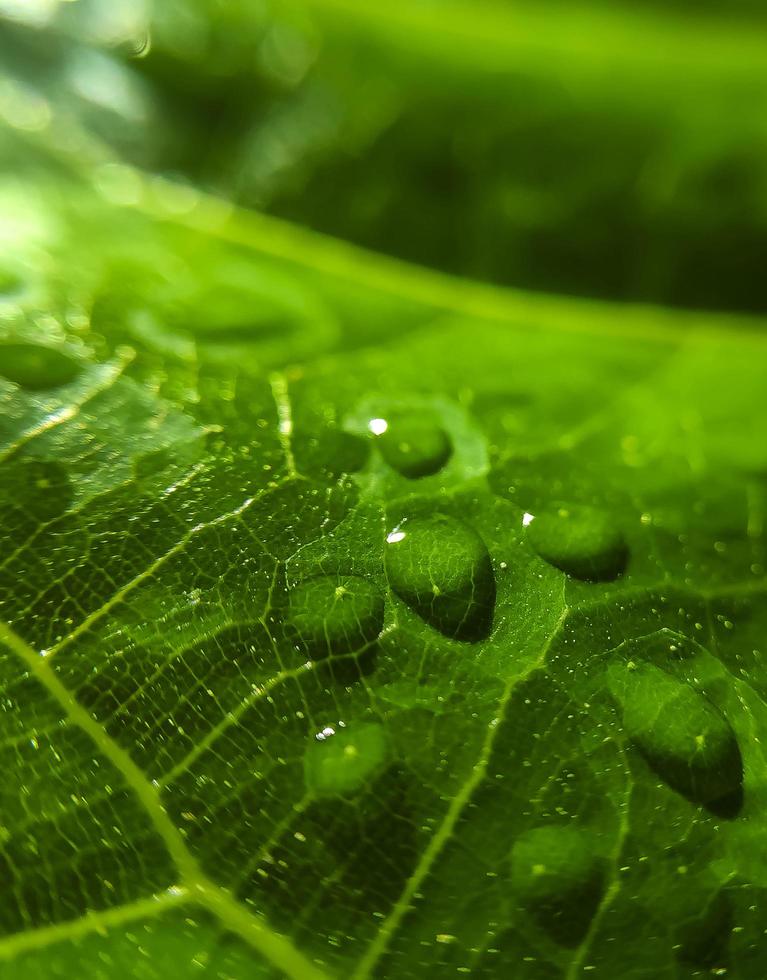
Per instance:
(614,150)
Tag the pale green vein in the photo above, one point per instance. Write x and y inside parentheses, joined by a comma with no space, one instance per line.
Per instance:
(248,925)
(444,831)
(279,385)
(41,670)
(231,718)
(109,374)
(610,892)
(254,930)
(124,591)
(93,921)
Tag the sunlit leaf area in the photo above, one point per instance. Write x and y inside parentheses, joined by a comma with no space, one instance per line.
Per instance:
(383,488)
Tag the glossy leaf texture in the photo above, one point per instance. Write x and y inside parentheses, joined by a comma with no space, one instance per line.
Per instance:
(293,682)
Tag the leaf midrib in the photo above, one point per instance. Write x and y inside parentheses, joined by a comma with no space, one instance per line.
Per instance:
(249,926)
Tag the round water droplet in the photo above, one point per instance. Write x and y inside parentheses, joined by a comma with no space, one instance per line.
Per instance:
(681,734)
(582,541)
(440,567)
(341,761)
(36,367)
(335,615)
(414,447)
(558,879)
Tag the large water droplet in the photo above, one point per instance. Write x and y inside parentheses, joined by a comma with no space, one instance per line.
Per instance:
(335,615)
(415,447)
(440,567)
(582,541)
(36,367)
(558,879)
(342,760)
(681,734)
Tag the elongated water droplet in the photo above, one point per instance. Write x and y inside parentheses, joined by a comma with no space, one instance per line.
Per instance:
(342,760)
(335,615)
(36,367)
(414,447)
(558,878)
(582,541)
(440,567)
(680,733)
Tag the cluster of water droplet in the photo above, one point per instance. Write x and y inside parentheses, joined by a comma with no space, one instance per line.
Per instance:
(440,567)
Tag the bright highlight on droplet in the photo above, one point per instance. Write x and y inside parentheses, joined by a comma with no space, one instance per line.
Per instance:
(395,536)
(378,426)
(527,519)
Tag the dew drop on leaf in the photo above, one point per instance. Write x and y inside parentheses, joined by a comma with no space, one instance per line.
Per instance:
(414,447)
(441,568)
(335,615)
(341,760)
(683,737)
(36,367)
(582,541)
(558,878)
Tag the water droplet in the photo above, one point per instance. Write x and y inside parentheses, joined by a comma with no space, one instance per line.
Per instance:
(415,447)
(440,567)
(335,615)
(36,367)
(558,879)
(681,734)
(582,541)
(344,760)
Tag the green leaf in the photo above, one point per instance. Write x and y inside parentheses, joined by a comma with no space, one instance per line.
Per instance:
(242,739)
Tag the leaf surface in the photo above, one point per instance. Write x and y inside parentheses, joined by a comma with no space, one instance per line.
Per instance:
(167,803)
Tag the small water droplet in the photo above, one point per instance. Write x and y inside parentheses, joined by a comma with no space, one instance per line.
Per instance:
(36,367)
(582,541)
(559,879)
(681,734)
(441,568)
(335,615)
(344,762)
(415,447)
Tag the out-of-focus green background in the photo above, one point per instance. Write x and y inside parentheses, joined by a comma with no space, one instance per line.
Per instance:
(614,149)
